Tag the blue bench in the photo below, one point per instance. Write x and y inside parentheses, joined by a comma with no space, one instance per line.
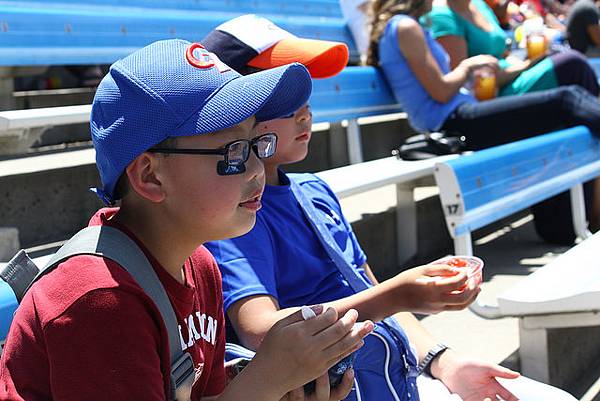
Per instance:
(486,186)
(100,32)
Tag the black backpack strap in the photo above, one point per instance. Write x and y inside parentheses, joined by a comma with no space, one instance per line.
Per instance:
(115,245)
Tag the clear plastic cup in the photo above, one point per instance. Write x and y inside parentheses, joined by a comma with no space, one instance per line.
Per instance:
(484,85)
(537,45)
(473,264)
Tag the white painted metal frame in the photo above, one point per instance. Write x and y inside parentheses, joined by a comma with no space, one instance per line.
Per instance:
(355,153)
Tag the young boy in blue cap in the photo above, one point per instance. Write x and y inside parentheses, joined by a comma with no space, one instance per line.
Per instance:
(292,257)
(173,128)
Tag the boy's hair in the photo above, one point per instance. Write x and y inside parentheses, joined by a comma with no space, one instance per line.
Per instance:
(176,88)
(250,42)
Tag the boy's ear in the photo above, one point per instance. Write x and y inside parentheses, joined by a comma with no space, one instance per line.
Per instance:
(143,179)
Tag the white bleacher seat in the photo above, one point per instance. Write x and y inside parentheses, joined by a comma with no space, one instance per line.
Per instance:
(565,293)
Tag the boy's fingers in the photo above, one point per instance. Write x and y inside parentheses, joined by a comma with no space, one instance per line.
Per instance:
(321,388)
(297,316)
(441,270)
(464,297)
(338,330)
(344,353)
(452,283)
(322,321)
(342,390)
(295,395)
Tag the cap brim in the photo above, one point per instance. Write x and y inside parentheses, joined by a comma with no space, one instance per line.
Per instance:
(267,95)
(323,59)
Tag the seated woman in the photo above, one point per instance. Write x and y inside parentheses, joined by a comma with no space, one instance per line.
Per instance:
(418,70)
(466,28)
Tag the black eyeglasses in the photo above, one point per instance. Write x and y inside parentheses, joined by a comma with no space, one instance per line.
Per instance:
(235,154)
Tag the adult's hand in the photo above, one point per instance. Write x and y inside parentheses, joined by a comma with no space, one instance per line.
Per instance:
(471,379)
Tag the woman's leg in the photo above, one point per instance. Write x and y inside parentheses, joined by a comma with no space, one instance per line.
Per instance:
(511,118)
(572,68)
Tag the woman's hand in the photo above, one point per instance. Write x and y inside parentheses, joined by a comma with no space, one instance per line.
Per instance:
(483,60)
(435,288)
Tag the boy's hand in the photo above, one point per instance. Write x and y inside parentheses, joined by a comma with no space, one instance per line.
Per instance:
(435,288)
(296,351)
(322,390)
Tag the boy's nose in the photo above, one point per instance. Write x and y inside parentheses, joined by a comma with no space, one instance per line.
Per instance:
(304,113)
(254,166)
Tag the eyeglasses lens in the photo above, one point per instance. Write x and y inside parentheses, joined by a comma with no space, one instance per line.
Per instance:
(265,146)
(238,153)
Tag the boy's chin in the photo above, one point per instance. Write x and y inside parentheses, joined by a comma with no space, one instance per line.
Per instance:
(241,228)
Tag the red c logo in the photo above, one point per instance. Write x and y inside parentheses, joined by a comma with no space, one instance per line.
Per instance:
(189,55)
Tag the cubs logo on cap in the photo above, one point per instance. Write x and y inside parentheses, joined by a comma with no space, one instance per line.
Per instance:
(199,57)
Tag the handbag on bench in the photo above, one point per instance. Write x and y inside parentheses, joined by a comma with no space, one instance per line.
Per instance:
(428,145)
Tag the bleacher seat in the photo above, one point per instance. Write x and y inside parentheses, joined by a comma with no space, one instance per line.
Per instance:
(486,186)
(100,32)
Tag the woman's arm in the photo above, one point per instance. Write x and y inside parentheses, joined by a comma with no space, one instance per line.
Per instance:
(441,87)
(456,47)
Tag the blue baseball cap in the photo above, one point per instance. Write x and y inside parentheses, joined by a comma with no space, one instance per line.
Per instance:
(176,88)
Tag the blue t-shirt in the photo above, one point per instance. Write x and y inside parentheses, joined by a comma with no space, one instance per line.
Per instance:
(425,114)
(282,256)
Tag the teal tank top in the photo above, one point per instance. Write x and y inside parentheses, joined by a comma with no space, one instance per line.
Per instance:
(443,21)
(424,113)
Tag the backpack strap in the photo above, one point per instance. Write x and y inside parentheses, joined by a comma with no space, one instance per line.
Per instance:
(111,243)
(355,280)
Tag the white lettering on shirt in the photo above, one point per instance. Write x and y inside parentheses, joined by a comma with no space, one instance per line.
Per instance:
(199,326)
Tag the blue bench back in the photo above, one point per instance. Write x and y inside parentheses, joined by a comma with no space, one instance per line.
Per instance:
(100,32)
(355,92)
(488,185)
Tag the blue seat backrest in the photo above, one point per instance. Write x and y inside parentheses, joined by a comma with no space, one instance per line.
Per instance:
(491,184)
(497,172)
(100,32)
(355,92)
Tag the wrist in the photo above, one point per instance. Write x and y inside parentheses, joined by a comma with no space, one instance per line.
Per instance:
(255,373)
(431,362)
(467,69)
(441,365)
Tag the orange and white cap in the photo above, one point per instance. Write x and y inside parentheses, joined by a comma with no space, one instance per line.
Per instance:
(255,41)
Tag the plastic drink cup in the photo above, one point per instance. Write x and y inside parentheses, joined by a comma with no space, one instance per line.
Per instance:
(485,84)
(473,264)
(537,45)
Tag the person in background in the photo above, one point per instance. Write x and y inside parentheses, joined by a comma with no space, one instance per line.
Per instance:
(583,30)
(467,28)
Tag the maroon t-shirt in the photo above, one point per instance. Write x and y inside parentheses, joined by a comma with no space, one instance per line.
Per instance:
(87,331)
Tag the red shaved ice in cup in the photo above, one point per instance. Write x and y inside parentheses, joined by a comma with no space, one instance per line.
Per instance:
(473,264)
